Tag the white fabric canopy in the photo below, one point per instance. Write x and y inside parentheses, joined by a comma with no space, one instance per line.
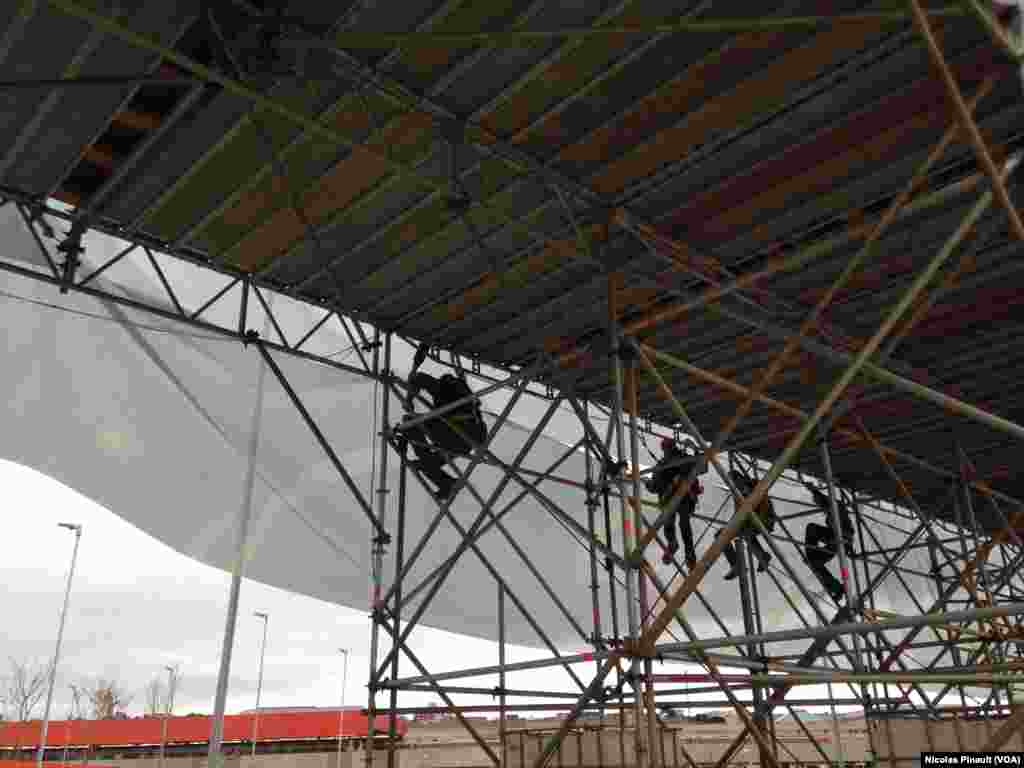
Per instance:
(152,419)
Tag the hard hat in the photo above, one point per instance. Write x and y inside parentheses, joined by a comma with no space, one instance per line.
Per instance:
(667,443)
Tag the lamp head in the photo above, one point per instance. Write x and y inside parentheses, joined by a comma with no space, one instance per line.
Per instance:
(70,526)
(260,615)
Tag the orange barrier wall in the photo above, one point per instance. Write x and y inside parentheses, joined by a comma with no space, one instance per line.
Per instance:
(146,730)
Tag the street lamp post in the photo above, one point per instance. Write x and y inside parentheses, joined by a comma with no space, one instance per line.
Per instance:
(167,714)
(341,712)
(77,529)
(259,681)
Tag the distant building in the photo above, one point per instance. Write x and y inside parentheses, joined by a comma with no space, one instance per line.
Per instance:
(297,710)
(300,729)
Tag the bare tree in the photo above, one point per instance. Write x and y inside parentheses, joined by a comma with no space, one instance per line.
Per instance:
(22,689)
(173,684)
(154,697)
(77,709)
(160,694)
(107,698)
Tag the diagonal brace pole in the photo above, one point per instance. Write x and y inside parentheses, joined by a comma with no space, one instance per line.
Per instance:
(320,438)
(963,116)
(796,443)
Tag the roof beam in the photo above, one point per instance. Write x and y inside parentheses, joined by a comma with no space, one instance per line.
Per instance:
(518,37)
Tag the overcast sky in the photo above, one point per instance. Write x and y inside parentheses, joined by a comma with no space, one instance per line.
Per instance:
(137,605)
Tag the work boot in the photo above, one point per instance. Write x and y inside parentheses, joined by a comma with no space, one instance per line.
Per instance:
(762,563)
(421,355)
(400,441)
(691,561)
(445,488)
(731,574)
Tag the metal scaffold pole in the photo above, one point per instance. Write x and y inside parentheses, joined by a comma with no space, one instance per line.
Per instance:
(379,541)
(399,563)
(842,542)
(628,519)
(591,504)
(502,713)
(636,499)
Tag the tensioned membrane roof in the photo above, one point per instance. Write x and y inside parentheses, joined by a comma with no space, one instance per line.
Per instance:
(162,424)
(740,143)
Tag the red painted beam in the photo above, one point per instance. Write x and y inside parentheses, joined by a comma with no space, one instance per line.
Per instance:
(146,730)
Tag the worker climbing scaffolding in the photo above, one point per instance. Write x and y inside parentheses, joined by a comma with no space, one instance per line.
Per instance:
(671,470)
(822,543)
(765,511)
(440,439)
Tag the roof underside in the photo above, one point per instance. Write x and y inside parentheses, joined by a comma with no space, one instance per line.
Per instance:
(742,145)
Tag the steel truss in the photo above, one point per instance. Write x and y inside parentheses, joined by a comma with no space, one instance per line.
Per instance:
(973,627)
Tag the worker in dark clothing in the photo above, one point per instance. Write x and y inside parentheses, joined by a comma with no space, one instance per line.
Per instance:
(673,468)
(440,439)
(821,543)
(765,511)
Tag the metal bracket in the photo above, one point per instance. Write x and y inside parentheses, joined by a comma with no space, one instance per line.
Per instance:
(72,249)
(614,469)
(453,131)
(36,214)
(626,352)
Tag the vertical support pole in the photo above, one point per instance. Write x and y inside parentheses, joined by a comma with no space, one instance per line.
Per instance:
(871,653)
(502,724)
(628,537)
(598,642)
(378,542)
(609,566)
(839,751)
(648,685)
(399,565)
(844,558)
(764,721)
(743,569)
(243,309)
(214,757)
(866,653)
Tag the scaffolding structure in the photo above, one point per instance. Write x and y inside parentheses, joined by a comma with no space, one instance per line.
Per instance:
(628,374)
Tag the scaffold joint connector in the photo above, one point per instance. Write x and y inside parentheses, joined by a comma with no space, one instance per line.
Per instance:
(614,469)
